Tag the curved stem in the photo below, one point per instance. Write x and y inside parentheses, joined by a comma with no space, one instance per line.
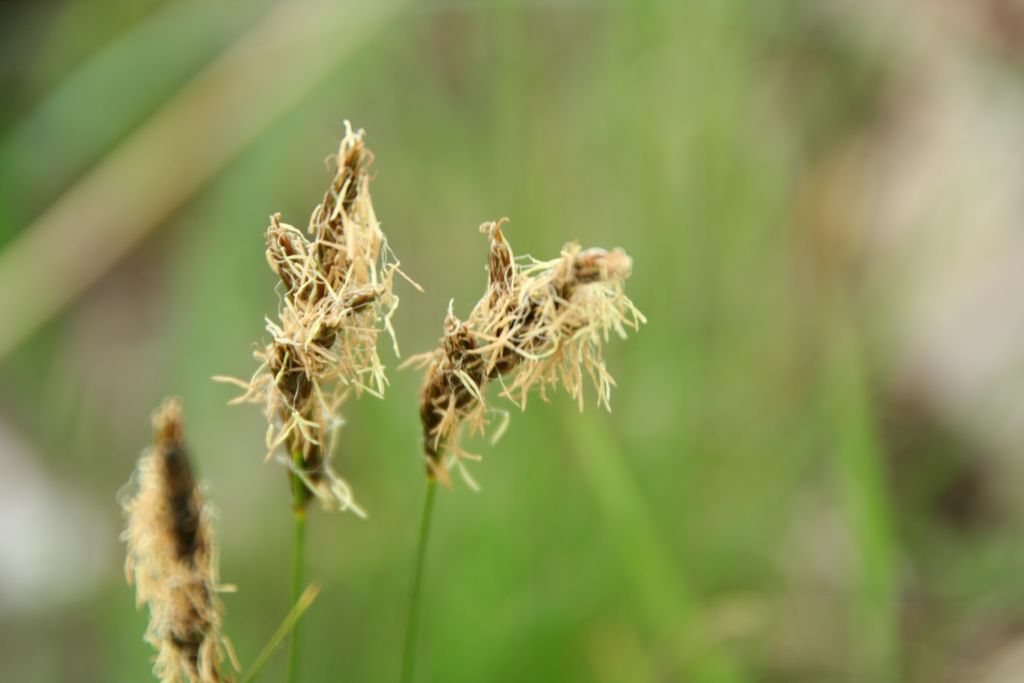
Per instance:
(298,561)
(409,653)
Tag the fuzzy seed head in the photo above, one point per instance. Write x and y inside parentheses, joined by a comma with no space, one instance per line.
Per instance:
(540,324)
(171,559)
(336,299)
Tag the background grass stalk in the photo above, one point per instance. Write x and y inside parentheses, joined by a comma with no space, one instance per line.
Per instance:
(411,627)
(860,468)
(298,562)
(670,602)
(293,48)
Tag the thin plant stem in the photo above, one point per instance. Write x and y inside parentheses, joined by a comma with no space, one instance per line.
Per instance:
(289,622)
(409,653)
(298,561)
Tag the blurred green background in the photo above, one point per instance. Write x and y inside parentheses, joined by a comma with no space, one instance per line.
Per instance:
(811,472)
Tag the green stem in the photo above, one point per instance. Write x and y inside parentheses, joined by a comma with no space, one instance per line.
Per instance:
(409,653)
(298,560)
(290,620)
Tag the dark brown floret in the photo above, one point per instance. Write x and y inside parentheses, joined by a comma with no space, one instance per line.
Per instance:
(182,501)
(444,390)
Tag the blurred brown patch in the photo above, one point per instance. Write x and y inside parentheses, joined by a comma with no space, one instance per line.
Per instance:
(937,471)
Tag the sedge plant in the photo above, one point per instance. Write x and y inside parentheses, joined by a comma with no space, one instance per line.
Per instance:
(336,292)
(538,325)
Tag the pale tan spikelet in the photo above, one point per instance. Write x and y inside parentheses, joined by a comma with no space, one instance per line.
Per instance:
(540,323)
(336,299)
(171,559)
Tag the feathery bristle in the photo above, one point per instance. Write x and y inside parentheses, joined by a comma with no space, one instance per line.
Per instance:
(337,298)
(171,559)
(540,323)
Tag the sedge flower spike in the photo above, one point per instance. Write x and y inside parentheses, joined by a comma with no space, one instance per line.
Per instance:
(539,324)
(336,299)
(171,559)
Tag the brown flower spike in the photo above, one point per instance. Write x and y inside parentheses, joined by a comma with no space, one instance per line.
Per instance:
(336,299)
(171,559)
(540,323)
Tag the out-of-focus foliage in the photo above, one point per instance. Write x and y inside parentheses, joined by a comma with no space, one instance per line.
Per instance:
(811,469)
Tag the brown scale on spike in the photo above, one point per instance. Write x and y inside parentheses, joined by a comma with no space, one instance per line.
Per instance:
(538,323)
(446,392)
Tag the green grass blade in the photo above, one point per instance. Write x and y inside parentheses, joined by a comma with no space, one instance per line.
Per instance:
(670,604)
(290,621)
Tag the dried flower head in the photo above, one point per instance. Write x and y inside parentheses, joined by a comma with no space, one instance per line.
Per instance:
(171,559)
(540,323)
(336,299)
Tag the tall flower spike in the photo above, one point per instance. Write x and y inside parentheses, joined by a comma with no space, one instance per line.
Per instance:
(538,324)
(336,299)
(171,559)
